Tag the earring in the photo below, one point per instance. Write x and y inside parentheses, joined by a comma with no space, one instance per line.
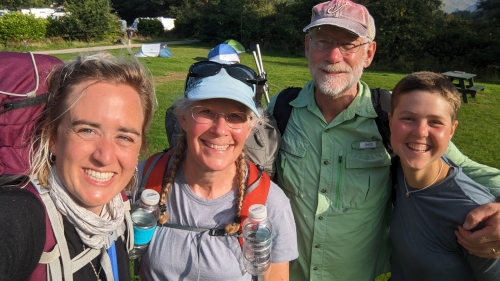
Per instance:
(52,158)
(136,178)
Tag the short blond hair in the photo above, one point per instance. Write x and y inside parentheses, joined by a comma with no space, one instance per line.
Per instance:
(431,82)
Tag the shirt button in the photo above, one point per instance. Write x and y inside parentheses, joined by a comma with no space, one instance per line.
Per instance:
(316,246)
(315,268)
(323,190)
(326,162)
(320,218)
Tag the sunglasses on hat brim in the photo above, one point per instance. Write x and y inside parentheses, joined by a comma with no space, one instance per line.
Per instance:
(205,69)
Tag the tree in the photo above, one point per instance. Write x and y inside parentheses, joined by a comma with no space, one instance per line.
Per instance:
(16,4)
(131,9)
(18,27)
(403,29)
(90,20)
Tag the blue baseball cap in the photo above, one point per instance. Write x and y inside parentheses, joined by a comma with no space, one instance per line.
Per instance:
(222,86)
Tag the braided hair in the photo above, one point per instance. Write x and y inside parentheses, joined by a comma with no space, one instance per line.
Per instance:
(177,157)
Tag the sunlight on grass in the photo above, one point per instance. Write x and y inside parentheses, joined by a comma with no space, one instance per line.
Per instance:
(476,136)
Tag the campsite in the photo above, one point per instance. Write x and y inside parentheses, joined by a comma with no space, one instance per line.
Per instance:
(409,38)
(475,135)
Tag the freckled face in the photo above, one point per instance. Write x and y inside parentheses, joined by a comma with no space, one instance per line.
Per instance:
(98,142)
(421,127)
(214,146)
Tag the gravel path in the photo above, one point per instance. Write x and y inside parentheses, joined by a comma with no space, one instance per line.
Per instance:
(100,48)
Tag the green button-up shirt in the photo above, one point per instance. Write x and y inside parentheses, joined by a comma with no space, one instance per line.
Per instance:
(337,177)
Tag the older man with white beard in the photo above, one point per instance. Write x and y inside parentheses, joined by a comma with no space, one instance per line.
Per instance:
(332,163)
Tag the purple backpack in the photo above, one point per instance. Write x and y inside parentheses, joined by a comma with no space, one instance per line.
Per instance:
(22,99)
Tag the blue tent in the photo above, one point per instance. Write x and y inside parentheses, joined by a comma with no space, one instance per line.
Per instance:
(223,52)
(154,50)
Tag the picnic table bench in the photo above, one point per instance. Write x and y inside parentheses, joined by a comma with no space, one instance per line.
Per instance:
(465,83)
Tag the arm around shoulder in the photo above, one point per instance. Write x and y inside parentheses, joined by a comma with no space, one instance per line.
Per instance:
(485,175)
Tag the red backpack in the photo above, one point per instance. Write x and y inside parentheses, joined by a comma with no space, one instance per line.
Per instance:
(23,91)
(258,185)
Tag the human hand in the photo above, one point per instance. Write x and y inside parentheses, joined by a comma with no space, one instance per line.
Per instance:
(484,242)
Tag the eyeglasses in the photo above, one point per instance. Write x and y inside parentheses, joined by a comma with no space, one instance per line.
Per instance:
(205,115)
(322,44)
(204,69)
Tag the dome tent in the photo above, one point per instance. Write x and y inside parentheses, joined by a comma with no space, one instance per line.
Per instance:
(236,45)
(223,52)
(154,50)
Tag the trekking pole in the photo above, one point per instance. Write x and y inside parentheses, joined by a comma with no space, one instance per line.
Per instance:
(260,87)
(262,73)
(256,62)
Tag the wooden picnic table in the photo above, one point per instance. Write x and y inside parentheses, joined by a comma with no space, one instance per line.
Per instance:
(464,84)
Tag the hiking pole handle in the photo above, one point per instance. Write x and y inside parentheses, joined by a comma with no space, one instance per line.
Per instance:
(260,59)
(257,63)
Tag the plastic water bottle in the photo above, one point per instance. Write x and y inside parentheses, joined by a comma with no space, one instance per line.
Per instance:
(257,240)
(144,217)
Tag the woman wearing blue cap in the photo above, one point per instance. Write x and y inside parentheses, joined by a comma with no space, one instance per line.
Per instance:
(204,180)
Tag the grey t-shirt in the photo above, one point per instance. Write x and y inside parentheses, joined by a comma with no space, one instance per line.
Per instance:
(424,244)
(172,253)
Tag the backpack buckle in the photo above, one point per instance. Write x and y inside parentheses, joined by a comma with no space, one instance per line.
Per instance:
(217,232)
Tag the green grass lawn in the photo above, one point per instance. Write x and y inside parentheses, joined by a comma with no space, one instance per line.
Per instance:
(477,134)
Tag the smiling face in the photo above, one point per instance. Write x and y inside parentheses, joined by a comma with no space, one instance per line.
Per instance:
(421,127)
(98,141)
(333,72)
(214,146)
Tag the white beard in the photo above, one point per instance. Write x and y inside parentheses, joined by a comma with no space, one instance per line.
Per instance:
(333,86)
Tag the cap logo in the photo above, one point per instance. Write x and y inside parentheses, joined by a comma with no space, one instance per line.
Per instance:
(336,9)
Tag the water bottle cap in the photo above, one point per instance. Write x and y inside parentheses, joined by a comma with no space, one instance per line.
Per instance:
(150,197)
(257,212)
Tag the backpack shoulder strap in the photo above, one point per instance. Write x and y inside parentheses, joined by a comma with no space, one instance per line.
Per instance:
(258,185)
(381,100)
(154,170)
(129,232)
(282,108)
(54,269)
(50,252)
(12,105)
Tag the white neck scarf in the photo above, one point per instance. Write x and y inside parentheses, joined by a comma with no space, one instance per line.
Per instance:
(94,230)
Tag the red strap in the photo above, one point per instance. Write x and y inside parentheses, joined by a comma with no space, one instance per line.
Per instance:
(155,178)
(256,196)
(40,272)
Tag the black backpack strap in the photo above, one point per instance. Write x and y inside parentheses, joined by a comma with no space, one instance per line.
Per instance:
(38,100)
(381,100)
(282,108)
(395,162)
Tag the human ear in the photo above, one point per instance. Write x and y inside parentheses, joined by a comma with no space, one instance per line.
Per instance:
(370,53)
(182,121)
(453,127)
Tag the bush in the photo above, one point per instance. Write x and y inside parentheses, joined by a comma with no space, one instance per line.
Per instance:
(56,28)
(18,27)
(90,20)
(150,27)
